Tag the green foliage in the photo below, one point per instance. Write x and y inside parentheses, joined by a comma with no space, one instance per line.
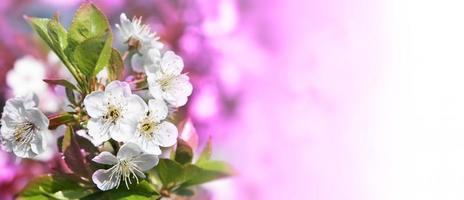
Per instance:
(206,153)
(195,175)
(44,27)
(90,36)
(85,49)
(180,176)
(93,54)
(170,172)
(53,187)
(116,66)
(142,191)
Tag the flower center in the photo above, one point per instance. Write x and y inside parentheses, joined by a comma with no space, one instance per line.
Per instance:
(165,81)
(123,170)
(23,132)
(147,127)
(113,114)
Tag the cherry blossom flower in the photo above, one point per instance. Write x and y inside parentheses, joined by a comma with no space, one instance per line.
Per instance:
(113,113)
(153,130)
(168,83)
(142,38)
(129,163)
(23,127)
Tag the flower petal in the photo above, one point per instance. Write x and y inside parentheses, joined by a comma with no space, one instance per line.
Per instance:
(6,130)
(171,63)
(158,109)
(30,100)
(137,63)
(37,144)
(178,90)
(105,158)
(95,104)
(154,87)
(146,161)
(36,116)
(135,108)
(98,131)
(123,130)
(103,179)
(118,89)
(23,151)
(152,61)
(148,145)
(166,134)
(129,150)
(15,108)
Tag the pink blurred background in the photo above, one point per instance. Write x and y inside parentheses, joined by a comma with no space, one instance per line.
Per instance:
(333,99)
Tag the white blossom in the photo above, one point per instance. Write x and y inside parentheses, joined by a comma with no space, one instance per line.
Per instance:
(139,32)
(153,130)
(129,164)
(147,62)
(148,44)
(22,81)
(168,83)
(23,127)
(113,112)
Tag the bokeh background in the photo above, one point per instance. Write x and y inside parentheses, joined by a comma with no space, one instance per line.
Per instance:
(307,99)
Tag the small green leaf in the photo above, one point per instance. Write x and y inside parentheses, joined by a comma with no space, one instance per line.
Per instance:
(40,27)
(60,119)
(184,152)
(170,172)
(89,27)
(195,175)
(61,82)
(141,191)
(88,22)
(206,153)
(58,34)
(93,54)
(53,187)
(116,66)
(53,34)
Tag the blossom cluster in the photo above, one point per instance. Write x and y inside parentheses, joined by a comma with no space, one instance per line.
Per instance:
(113,113)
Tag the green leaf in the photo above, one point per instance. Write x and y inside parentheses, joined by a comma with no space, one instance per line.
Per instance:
(53,187)
(195,175)
(206,153)
(58,35)
(61,82)
(88,22)
(93,54)
(141,191)
(60,119)
(54,35)
(170,172)
(40,27)
(116,66)
(184,152)
(89,38)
